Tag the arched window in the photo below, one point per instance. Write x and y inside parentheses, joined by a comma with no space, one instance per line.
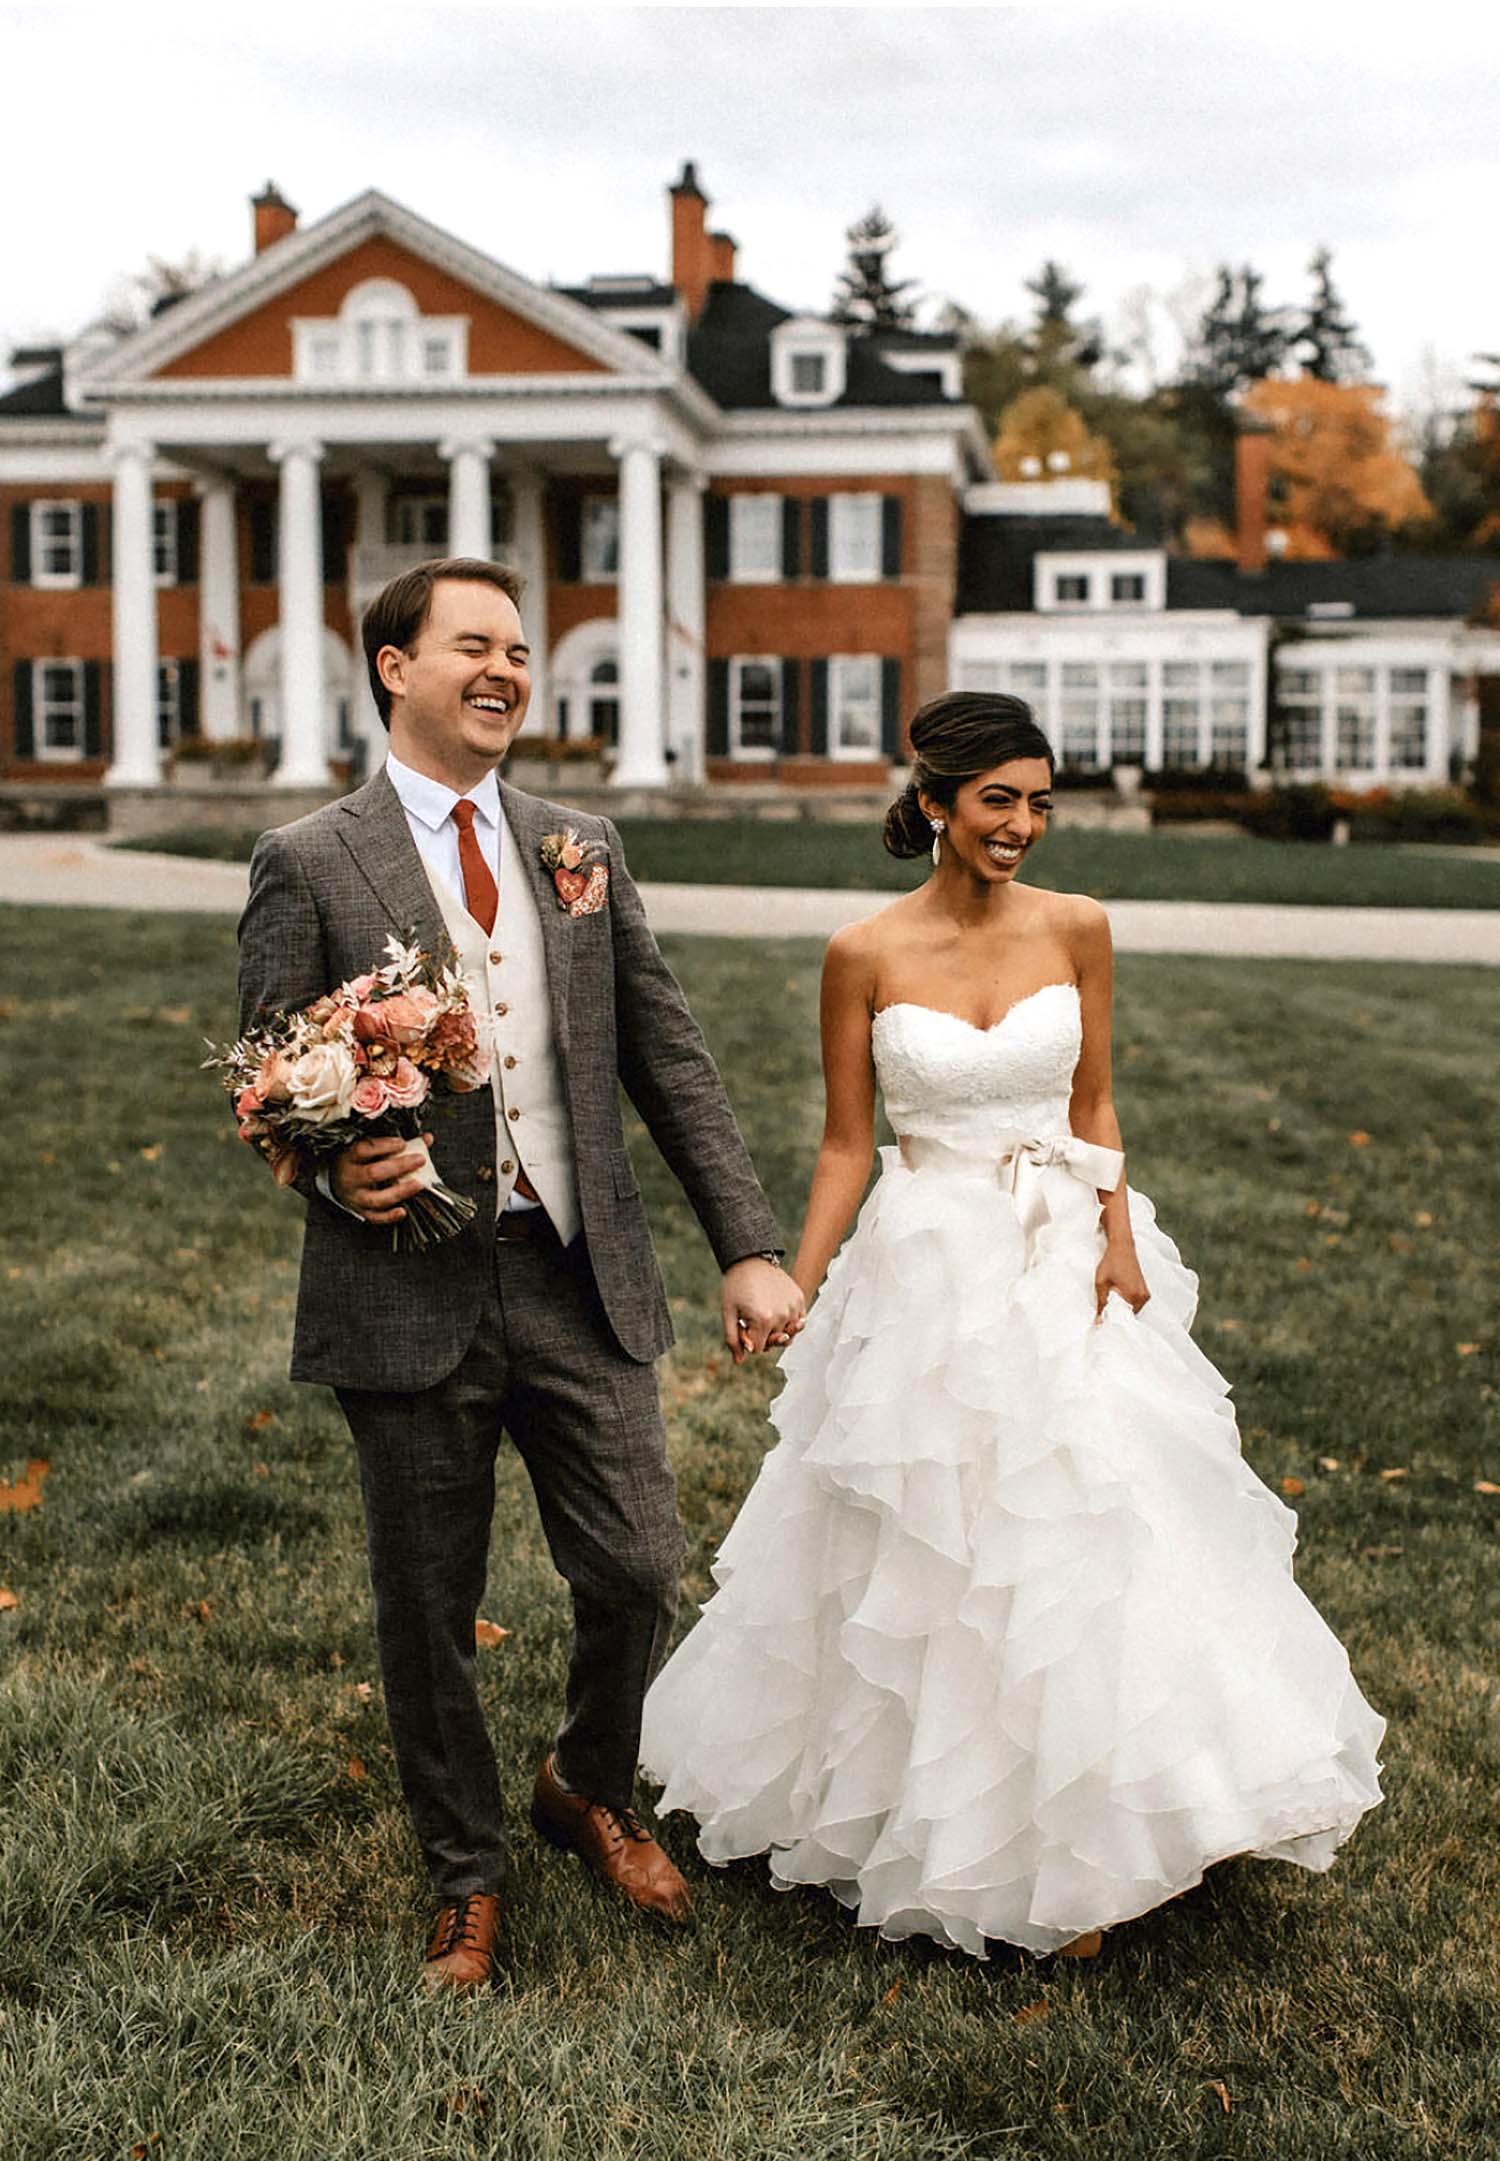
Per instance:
(604,700)
(380,335)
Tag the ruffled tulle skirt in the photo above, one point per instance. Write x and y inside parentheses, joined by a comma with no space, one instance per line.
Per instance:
(1006,1643)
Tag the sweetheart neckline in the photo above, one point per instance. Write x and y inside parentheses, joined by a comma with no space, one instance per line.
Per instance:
(910,1005)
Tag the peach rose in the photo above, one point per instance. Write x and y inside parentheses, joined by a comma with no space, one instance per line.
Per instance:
(407,1086)
(247,1102)
(271,1082)
(322,1081)
(361,987)
(370,1098)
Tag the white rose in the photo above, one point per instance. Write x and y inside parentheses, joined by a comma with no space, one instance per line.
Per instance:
(323,1081)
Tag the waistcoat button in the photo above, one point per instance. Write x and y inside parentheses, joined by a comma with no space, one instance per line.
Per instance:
(485,1175)
(510,1061)
(515,1114)
(502,1009)
(495,959)
(506,1168)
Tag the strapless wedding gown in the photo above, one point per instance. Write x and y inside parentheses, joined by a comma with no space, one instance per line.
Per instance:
(1006,1644)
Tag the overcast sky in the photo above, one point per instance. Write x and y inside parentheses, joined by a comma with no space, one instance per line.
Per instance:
(1139,146)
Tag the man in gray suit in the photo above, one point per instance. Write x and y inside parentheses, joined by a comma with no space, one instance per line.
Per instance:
(542,1318)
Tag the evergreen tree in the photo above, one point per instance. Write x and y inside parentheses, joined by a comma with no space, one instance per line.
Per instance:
(1239,339)
(1326,342)
(867,295)
(1057,342)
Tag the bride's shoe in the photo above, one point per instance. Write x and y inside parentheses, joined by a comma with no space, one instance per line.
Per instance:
(1086,1946)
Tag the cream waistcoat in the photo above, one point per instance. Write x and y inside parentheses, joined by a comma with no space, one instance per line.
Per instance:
(509,969)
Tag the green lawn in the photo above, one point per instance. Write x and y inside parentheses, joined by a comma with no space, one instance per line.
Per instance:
(211,1914)
(1111,866)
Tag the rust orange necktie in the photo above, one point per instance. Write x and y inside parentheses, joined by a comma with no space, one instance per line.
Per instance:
(481,894)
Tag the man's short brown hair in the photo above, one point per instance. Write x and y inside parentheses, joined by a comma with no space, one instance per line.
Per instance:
(397,613)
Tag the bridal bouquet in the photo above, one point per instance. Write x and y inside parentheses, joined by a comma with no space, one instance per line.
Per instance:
(358,1062)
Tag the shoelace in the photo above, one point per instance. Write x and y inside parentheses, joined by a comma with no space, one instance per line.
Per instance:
(624,1823)
(461,1931)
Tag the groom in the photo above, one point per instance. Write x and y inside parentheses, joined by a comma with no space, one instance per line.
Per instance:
(543,1317)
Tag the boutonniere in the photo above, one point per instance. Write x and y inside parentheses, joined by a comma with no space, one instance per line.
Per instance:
(581,883)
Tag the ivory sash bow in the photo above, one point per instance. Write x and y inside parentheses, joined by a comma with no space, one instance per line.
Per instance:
(1022,1160)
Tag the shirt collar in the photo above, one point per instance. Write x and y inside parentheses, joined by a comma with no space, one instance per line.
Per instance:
(432,801)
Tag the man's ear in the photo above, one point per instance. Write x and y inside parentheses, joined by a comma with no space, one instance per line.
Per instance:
(390,666)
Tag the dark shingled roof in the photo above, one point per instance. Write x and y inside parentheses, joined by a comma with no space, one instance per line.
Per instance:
(621,295)
(41,398)
(729,353)
(995,555)
(1379,586)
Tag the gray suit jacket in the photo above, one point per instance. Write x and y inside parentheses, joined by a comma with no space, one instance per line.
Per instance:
(325,893)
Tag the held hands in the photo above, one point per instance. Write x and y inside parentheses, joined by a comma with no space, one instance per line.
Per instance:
(1119,1271)
(374,1177)
(763,1307)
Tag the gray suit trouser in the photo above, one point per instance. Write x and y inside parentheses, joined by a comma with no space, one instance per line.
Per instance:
(543,1366)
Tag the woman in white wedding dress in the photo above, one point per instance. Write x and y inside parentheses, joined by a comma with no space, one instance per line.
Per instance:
(1006,1644)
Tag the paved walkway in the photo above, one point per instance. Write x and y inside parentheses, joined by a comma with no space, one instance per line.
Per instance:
(69,870)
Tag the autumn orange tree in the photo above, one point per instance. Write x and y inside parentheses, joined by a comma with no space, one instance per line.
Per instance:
(1042,435)
(1338,472)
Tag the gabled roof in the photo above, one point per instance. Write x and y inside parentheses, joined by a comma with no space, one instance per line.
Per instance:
(995,555)
(41,397)
(729,352)
(287,262)
(1387,587)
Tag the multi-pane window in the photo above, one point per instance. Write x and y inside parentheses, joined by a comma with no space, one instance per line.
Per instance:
(57,693)
(57,543)
(1129,685)
(1408,718)
(754,707)
(1354,720)
(168,703)
(604,700)
(164,542)
(1229,712)
(1070,588)
(1365,717)
(1080,713)
(854,706)
(420,521)
(600,539)
(854,538)
(755,539)
(809,374)
(1127,588)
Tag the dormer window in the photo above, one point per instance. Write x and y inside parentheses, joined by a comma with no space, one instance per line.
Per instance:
(380,336)
(808,360)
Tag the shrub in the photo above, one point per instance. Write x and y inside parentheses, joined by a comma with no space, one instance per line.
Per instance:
(1198,780)
(1421,814)
(1306,812)
(1182,806)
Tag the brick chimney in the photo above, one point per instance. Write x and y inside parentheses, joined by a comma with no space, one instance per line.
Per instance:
(274,217)
(1252,487)
(721,258)
(692,246)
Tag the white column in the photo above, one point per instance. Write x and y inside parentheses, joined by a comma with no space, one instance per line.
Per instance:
(529,551)
(640,763)
(685,623)
(304,757)
(136,758)
(1155,716)
(218,611)
(371,503)
(469,522)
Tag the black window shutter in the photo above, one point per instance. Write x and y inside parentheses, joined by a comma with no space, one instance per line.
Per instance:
(818,710)
(818,552)
(20,543)
(791,708)
(21,678)
(262,541)
(890,536)
(88,526)
(791,537)
(569,538)
(93,709)
(187,541)
(187,697)
(890,708)
(716,536)
(718,709)
(331,539)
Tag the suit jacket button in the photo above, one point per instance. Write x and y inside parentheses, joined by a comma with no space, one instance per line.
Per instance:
(485,1175)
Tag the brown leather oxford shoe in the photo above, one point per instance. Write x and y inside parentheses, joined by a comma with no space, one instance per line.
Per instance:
(461,1949)
(613,1844)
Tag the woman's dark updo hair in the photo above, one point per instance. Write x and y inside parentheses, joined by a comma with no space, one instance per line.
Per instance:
(954,739)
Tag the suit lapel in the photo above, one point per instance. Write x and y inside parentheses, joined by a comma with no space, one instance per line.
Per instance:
(528,823)
(377,836)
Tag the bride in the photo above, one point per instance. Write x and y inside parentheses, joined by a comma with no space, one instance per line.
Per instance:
(1006,1644)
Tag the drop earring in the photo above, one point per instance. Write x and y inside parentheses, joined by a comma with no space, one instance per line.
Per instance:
(938,830)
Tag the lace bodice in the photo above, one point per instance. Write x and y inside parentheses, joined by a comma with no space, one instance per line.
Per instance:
(944,1079)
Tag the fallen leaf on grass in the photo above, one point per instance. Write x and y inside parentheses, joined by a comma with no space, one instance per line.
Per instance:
(1303,1265)
(1030,2011)
(15,1274)
(1226,1328)
(1468,1350)
(199,1611)
(468,2101)
(355,1769)
(1486,1485)
(1389,1477)
(363,1690)
(1356,1140)
(1328,1463)
(8,1601)
(142,2147)
(488,1633)
(46,1156)
(1313,1209)
(261,1470)
(1380,1553)
(1423,1220)
(1291,1487)
(258,1420)
(1216,2085)
(149,1155)
(890,1995)
(26,1493)
(179,1015)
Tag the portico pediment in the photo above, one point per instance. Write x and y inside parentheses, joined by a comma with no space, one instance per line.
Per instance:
(371,296)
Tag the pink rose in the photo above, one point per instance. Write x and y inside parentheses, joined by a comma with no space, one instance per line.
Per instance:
(247,1102)
(407,1086)
(370,1098)
(402,1019)
(361,987)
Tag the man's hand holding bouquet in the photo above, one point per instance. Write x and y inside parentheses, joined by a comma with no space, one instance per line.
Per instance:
(357,1066)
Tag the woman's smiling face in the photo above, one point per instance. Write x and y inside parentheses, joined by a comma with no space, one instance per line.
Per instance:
(995,819)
